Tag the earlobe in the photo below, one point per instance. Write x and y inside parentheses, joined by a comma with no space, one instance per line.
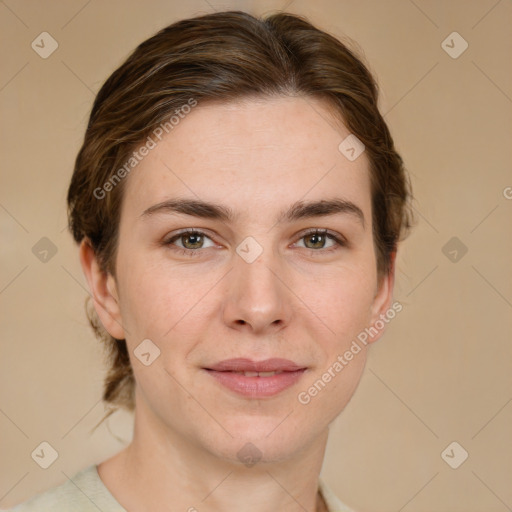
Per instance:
(382,301)
(103,290)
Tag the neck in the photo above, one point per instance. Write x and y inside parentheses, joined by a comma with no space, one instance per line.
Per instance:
(163,466)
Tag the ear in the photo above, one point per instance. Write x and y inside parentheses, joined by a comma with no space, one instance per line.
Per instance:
(104,291)
(382,302)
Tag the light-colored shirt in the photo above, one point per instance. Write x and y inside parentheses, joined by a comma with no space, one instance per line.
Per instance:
(86,492)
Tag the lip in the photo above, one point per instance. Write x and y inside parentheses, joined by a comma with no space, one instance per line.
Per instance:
(256,386)
(248,365)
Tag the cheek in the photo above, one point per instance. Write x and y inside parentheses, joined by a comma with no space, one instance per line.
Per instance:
(157,301)
(345,308)
(343,299)
(141,289)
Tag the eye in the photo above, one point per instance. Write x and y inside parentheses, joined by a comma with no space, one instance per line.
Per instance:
(316,239)
(191,241)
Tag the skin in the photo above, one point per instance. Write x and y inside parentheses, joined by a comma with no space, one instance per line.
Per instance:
(295,301)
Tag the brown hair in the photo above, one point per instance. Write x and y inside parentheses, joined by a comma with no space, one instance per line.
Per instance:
(223,57)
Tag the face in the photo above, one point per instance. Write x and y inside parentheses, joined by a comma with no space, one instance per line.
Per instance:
(261,274)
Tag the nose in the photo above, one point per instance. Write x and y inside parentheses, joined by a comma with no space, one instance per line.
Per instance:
(257,297)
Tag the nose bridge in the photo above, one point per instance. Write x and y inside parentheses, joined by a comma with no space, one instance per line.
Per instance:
(256,295)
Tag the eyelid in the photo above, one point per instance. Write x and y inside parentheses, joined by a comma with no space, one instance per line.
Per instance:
(323,231)
(339,240)
(188,231)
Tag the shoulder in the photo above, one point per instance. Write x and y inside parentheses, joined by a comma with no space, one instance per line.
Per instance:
(84,492)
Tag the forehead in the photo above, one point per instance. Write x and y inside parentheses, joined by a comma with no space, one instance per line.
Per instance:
(254,155)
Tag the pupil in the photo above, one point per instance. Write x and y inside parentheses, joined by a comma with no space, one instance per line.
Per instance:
(191,238)
(318,239)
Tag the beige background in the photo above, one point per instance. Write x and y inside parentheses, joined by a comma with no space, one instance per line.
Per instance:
(442,372)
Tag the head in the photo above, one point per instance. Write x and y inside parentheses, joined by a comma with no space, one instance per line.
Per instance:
(240,119)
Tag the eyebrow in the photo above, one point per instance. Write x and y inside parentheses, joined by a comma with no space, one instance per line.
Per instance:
(298,210)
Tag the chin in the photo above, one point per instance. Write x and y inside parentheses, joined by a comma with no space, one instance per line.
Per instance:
(263,440)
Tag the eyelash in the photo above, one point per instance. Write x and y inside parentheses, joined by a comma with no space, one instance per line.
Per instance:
(339,241)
